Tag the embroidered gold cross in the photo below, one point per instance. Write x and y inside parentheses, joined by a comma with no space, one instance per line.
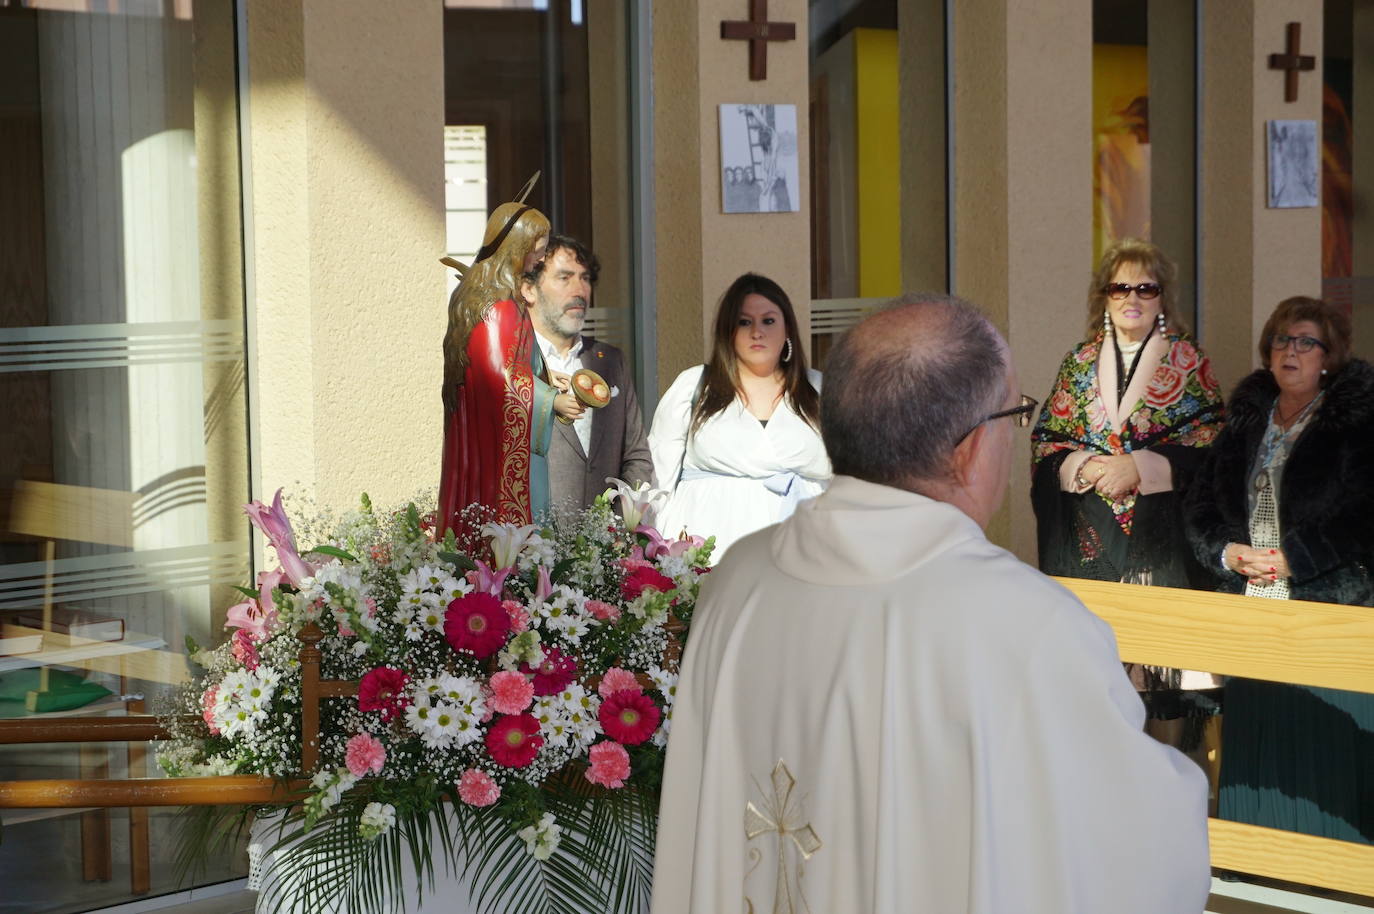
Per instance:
(780,817)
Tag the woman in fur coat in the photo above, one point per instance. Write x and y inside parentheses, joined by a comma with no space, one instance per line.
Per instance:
(1283,507)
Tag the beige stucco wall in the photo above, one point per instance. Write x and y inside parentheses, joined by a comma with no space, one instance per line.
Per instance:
(347,304)
(1252,256)
(699,249)
(1022,188)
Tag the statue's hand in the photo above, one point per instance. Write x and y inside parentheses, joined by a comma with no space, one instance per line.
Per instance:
(568,406)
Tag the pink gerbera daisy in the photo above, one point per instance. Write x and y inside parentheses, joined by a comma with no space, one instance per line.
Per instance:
(629,717)
(476,623)
(514,741)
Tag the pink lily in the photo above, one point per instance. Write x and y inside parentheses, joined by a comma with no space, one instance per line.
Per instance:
(267,582)
(489,581)
(249,617)
(545,585)
(276,526)
(660,546)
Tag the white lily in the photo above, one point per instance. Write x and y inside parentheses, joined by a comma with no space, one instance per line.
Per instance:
(639,504)
(507,540)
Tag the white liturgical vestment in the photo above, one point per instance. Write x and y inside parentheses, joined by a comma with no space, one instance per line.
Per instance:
(880,711)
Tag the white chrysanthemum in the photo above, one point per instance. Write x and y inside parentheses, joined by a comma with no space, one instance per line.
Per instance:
(420,717)
(430,618)
(445,724)
(455,588)
(414,632)
(665,682)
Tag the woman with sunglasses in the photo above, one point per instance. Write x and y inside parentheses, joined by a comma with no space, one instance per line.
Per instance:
(1126,424)
(1283,507)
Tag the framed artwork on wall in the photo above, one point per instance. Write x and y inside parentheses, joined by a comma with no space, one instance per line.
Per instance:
(759,170)
(1294,180)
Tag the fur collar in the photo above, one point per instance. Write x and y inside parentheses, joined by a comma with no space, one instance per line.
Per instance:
(1349,398)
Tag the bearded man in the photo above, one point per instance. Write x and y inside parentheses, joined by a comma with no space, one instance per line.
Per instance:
(609,441)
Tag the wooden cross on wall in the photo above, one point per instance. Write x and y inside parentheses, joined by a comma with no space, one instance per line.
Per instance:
(758,31)
(1292,62)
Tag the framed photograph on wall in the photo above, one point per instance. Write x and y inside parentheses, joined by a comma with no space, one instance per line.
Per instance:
(1294,159)
(759,170)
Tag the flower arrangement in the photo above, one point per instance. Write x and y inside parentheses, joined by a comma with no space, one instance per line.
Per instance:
(514,697)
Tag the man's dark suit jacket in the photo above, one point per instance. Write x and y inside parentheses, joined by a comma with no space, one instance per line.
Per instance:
(619,443)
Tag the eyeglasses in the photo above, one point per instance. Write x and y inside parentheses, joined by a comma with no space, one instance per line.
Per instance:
(1022,415)
(1022,412)
(1300,343)
(1120,291)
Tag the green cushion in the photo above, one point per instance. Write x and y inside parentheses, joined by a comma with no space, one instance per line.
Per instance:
(65,691)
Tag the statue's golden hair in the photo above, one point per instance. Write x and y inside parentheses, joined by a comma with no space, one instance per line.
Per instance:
(486,282)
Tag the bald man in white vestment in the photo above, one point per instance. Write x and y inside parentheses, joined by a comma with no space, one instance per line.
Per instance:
(881,711)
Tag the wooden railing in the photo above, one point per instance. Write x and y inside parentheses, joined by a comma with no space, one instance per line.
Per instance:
(1317,644)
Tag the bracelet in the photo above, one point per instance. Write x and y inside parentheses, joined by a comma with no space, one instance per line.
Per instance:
(1224,566)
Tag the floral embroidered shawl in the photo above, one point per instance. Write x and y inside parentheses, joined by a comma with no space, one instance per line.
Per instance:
(1181,406)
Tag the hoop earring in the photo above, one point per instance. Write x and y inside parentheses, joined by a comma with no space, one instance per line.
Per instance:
(1163,325)
(787,351)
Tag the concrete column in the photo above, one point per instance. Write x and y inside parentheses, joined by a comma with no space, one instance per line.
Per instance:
(1173,139)
(348,308)
(1253,257)
(921,75)
(1362,159)
(609,108)
(1023,191)
(700,250)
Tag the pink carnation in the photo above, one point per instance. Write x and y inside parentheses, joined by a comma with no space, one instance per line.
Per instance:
(610,764)
(383,689)
(617,680)
(606,612)
(243,649)
(207,703)
(476,788)
(645,578)
(364,753)
(554,674)
(519,616)
(511,692)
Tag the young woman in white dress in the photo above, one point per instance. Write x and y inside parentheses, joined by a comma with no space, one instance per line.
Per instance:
(736,441)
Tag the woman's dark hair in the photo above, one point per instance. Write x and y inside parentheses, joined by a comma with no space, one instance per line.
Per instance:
(720,383)
(1332,322)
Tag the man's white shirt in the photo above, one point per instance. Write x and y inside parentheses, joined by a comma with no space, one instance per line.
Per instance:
(568,364)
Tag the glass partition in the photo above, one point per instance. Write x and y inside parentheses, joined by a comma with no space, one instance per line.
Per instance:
(122,397)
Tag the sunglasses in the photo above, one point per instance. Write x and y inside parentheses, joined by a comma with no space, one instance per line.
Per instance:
(1022,413)
(1281,341)
(1119,291)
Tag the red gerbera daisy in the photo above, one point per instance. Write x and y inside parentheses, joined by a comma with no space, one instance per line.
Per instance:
(553,675)
(629,717)
(476,623)
(645,578)
(383,689)
(514,740)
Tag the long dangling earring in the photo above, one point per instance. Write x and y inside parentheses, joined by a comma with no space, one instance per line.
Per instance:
(787,351)
(1106,321)
(1162,324)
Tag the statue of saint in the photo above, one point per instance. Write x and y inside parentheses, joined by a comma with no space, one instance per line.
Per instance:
(498,410)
